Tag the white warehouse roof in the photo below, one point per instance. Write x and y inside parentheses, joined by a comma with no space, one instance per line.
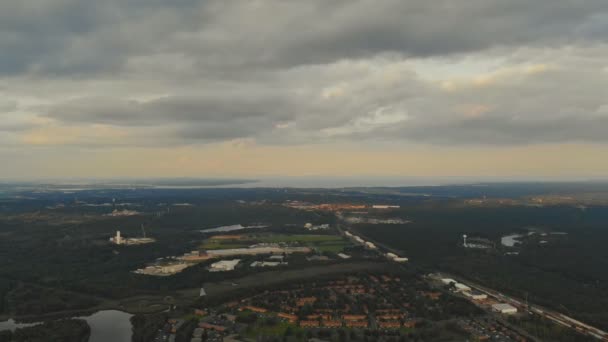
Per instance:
(504,308)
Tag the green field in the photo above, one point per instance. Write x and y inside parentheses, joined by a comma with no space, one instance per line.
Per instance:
(323,243)
(276,238)
(218,244)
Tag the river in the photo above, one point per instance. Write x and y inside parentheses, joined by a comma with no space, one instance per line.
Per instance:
(107,325)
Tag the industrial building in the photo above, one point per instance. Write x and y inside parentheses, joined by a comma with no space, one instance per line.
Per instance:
(475,295)
(448,281)
(458,287)
(344,256)
(395,257)
(224,265)
(120,240)
(504,308)
(462,287)
(163,270)
(267,263)
(384,206)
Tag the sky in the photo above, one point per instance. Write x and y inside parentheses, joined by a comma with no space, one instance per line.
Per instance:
(262,88)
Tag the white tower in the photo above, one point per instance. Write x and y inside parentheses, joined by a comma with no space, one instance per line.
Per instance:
(118,239)
(464,239)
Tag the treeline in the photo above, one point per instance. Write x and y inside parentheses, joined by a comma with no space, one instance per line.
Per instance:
(6,286)
(33,300)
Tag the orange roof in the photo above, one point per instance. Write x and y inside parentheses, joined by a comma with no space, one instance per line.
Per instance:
(306,300)
(410,324)
(390,324)
(432,295)
(354,317)
(211,326)
(309,323)
(357,324)
(290,317)
(389,317)
(254,308)
(332,324)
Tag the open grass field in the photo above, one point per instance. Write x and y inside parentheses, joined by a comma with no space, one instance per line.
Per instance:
(323,243)
(215,244)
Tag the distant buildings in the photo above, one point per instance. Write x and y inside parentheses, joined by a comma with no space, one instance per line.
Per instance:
(120,240)
(385,206)
(312,227)
(125,212)
(163,270)
(344,256)
(267,263)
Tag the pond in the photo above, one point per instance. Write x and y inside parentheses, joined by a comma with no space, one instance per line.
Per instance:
(230,228)
(107,325)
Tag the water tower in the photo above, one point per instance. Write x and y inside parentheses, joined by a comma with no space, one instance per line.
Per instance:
(464,240)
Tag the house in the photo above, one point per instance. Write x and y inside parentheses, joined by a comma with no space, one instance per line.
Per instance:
(309,324)
(288,317)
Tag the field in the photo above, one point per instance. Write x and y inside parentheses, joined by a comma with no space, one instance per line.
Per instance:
(322,243)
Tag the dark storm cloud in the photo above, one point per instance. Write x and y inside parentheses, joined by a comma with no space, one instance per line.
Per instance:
(216,117)
(305,71)
(79,36)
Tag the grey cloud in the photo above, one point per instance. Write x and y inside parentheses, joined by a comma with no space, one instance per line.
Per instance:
(306,71)
(508,131)
(202,118)
(72,37)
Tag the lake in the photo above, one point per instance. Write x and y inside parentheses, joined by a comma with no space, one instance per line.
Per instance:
(230,228)
(107,325)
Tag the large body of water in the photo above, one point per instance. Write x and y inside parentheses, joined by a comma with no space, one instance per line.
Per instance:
(106,326)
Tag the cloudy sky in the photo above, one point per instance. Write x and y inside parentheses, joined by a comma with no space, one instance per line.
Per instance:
(207,88)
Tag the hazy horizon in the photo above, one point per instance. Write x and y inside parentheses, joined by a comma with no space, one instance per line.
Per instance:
(294,181)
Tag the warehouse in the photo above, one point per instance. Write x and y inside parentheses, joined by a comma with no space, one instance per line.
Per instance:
(224,265)
(475,295)
(504,308)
